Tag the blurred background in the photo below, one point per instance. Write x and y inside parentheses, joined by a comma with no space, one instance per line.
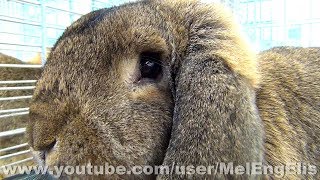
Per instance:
(29,28)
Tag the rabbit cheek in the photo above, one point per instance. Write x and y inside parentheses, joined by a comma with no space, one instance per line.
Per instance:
(79,144)
(149,93)
(129,71)
(46,121)
(52,156)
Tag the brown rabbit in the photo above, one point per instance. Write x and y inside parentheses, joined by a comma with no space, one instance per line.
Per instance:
(172,83)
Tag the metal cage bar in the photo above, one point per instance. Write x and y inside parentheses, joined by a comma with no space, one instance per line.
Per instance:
(13,147)
(15,154)
(17,162)
(13,110)
(15,98)
(25,1)
(18,82)
(16,88)
(14,114)
(12,132)
(20,66)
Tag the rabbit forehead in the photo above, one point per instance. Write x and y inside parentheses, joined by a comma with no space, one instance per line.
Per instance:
(104,39)
(120,29)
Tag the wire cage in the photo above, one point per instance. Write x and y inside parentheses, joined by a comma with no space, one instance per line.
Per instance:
(270,23)
(29,28)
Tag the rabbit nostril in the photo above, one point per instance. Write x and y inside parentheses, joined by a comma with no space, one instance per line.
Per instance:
(51,145)
(43,153)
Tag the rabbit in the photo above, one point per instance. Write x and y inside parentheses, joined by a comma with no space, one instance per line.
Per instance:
(172,83)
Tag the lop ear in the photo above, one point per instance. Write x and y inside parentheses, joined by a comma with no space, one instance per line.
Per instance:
(215,115)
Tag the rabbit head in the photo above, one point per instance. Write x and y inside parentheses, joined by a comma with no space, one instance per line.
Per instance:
(120,83)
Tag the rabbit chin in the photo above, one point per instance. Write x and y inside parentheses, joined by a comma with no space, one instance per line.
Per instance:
(46,158)
(52,158)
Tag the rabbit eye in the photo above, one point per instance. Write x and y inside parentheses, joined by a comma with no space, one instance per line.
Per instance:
(150,65)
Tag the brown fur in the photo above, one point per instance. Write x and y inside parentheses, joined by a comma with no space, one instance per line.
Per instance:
(289,104)
(88,104)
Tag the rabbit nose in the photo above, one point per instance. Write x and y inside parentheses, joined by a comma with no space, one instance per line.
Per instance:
(43,153)
(51,145)
(47,147)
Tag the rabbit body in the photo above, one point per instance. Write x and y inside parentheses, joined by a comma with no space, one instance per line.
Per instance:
(205,98)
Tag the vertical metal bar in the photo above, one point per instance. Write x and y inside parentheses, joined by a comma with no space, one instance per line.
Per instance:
(43,34)
(259,29)
(256,21)
(260,10)
(310,25)
(271,27)
(92,5)
(285,28)
(70,9)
